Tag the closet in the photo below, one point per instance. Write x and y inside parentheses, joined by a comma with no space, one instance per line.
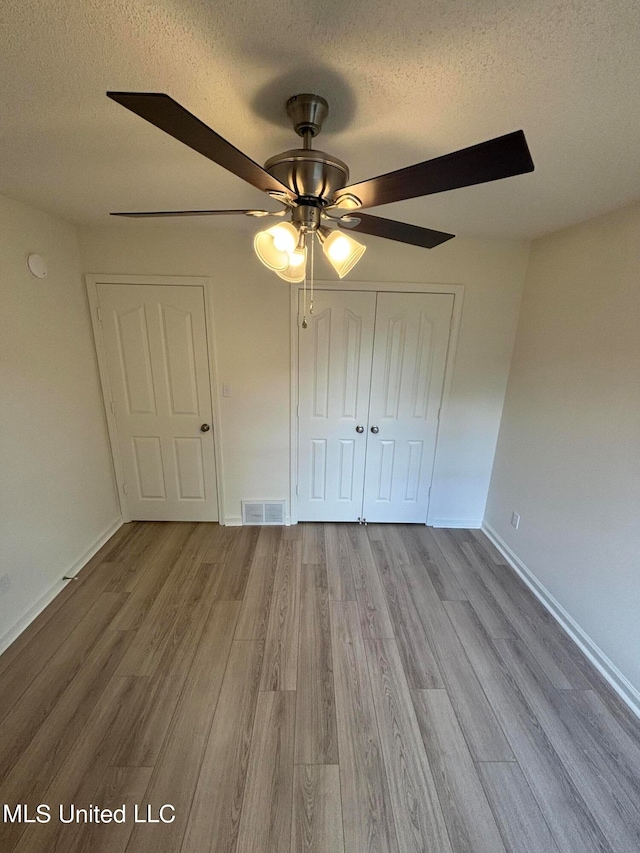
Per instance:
(371,374)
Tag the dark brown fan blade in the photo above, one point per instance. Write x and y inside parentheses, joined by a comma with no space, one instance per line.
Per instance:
(497,158)
(159,213)
(400,231)
(168,115)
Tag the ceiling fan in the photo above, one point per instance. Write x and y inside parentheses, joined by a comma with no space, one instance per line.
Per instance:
(314,188)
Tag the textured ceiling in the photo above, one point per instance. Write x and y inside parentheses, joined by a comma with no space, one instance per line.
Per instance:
(405,81)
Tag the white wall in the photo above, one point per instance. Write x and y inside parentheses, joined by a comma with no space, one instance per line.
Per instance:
(568,457)
(58,495)
(252,311)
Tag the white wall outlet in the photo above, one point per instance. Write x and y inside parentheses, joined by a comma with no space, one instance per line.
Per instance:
(227,390)
(515,520)
(5,584)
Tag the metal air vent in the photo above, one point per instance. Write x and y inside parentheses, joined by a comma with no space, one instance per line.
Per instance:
(263,512)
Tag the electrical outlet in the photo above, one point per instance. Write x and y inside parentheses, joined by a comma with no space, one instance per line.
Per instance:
(227,390)
(515,520)
(5,584)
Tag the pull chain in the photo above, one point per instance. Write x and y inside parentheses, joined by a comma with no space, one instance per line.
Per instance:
(304,290)
(313,243)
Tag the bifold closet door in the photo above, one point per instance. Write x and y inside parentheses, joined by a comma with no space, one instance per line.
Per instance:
(158,362)
(409,358)
(334,375)
(371,374)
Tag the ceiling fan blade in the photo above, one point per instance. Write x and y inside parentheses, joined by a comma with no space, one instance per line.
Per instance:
(393,230)
(160,213)
(497,158)
(168,115)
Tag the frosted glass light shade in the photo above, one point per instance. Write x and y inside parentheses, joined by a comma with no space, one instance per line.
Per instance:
(297,265)
(342,251)
(275,245)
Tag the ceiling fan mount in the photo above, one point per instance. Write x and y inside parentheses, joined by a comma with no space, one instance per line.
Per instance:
(307,112)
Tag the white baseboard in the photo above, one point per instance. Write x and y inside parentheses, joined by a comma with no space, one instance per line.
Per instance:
(18,627)
(465,523)
(607,668)
(93,550)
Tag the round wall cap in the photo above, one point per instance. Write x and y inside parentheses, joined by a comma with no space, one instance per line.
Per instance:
(37,265)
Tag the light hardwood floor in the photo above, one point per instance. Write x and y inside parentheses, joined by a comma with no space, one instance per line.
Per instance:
(328,688)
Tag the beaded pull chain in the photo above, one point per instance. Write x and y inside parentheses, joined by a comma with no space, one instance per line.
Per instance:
(313,243)
(305,325)
(304,291)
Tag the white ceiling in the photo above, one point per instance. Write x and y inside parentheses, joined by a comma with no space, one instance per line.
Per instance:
(405,81)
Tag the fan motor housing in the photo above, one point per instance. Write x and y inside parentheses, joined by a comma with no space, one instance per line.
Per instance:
(309,173)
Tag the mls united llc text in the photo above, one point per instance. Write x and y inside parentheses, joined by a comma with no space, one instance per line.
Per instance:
(44,813)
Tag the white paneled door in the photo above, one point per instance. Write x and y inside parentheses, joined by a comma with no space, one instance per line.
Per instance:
(156,349)
(409,358)
(334,374)
(371,374)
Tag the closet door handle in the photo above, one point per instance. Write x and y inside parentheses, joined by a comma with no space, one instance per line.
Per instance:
(360,428)
(375,430)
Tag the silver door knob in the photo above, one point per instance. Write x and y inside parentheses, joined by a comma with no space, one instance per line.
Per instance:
(359,428)
(205,428)
(375,430)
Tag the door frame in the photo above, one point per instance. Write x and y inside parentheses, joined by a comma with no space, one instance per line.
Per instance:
(92,281)
(457,290)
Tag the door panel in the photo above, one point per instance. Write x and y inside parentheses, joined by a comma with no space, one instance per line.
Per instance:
(189,468)
(179,355)
(345,474)
(409,358)
(334,374)
(133,360)
(147,456)
(157,358)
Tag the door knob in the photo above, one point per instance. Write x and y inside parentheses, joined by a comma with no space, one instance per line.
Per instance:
(359,428)
(205,428)
(375,430)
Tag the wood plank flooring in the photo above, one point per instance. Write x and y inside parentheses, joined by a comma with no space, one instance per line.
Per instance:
(325,688)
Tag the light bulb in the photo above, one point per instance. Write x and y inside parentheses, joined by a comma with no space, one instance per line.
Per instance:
(339,249)
(274,245)
(283,239)
(296,269)
(342,251)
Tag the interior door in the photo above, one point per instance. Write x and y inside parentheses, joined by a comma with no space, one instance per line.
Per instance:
(371,374)
(157,358)
(334,375)
(409,359)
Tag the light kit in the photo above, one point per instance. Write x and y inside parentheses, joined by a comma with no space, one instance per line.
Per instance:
(284,249)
